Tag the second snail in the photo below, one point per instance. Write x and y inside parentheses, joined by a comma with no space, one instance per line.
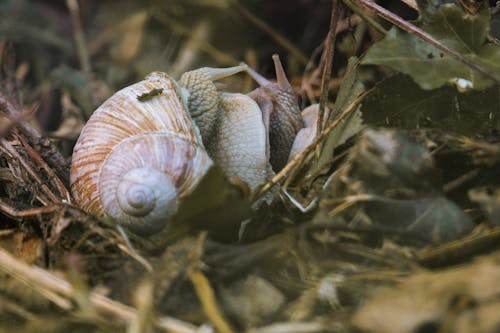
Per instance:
(149,145)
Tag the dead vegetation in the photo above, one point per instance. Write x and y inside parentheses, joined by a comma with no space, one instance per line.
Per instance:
(389,222)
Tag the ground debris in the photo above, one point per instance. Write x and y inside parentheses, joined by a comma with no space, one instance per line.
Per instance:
(388,222)
(460,299)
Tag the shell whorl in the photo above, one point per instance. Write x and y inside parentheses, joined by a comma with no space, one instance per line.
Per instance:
(135,159)
(144,197)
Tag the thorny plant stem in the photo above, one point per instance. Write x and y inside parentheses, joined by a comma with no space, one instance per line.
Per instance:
(299,157)
(412,29)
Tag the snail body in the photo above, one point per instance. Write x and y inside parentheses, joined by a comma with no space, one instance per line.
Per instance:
(240,146)
(150,144)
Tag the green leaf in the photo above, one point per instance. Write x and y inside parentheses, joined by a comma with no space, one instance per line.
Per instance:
(429,66)
(349,90)
(399,102)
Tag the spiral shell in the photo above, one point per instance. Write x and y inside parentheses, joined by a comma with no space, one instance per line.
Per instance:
(138,155)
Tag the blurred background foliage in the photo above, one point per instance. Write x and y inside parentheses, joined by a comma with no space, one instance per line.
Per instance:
(94,48)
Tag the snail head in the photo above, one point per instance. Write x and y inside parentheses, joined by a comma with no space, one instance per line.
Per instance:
(281,112)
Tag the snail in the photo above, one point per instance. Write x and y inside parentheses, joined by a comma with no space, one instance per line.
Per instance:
(148,146)
(280,111)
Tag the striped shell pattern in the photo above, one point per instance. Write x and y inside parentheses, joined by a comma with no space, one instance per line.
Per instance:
(138,155)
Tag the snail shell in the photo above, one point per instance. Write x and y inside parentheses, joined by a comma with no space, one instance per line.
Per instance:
(138,155)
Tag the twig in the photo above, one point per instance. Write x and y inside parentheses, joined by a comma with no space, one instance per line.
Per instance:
(312,72)
(374,24)
(14,213)
(81,45)
(8,124)
(203,289)
(45,147)
(460,180)
(280,39)
(45,189)
(41,280)
(459,250)
(402,24)
(144,302)
(207,298)
(219,55)
(17,309)
(129,249)
(300,156)
(63,191)
(329,52)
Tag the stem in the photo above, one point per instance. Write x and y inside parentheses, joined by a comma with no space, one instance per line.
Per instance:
(81,45)
(327,70)
(374,24)
(280,39)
